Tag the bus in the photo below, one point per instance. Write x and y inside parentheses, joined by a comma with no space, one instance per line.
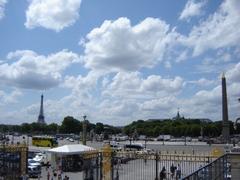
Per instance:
(44,141)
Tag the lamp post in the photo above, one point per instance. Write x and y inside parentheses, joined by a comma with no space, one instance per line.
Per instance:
(145,142)
(84,135)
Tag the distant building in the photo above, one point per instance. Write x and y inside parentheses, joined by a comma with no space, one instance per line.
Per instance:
(205,120)
(41,119)
(152,120)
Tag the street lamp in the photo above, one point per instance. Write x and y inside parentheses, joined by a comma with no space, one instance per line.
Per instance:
(145,142)
(84,135)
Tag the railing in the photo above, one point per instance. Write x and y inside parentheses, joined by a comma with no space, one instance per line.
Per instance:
(131,165)
(218,169)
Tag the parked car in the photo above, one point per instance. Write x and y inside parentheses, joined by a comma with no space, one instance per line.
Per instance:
(34,171)
(32,162)
(71,139)
(41,158)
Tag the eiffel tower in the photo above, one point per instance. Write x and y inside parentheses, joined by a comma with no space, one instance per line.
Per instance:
(41,115)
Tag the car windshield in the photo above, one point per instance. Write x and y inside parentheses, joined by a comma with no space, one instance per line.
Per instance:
(32,161)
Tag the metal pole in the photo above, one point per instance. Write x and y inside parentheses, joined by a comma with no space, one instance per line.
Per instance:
(156,156)
(145,143)
(84,136)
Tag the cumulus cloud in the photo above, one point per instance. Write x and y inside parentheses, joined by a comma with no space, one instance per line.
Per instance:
(202,82)
(119,96)
(2,8)
(54,14)
(219,30)
(192,8)
(119,46)
(9,98)
(133,87)
(234,73)
(32,71)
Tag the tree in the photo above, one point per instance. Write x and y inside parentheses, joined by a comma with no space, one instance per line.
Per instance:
(70,125)
(26,128)
(99,128)
(52,128)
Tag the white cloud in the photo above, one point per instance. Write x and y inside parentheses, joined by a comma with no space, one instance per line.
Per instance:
(52,14)
(160,104)
(157,83)
(202,82)
(183,56)
(192,8)
(132,85)
(9,98)
(33,71)
(2,8)
(119,46)
(219,30)
(234,73)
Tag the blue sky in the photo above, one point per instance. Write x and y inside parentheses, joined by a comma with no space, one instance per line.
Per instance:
(118,61)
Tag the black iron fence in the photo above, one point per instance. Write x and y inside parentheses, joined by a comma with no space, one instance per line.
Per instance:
(155,166)
(139,165)
(13,162)
(218,169)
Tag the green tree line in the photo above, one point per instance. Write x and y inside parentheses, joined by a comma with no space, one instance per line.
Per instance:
(153,128)
(178,128)
(68,125)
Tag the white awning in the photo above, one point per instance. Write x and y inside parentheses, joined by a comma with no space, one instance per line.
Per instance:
(71,149)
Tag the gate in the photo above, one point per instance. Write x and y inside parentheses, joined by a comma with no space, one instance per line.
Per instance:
(109,165)
(87,166)
(13,161)
(145,166)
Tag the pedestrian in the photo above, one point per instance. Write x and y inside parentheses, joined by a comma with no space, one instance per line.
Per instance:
(24,177)
(163,173)
(65,177)
(178,173)
(172,170)
(48,175)
(54,173)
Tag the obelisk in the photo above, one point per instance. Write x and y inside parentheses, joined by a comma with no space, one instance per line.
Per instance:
(225,122)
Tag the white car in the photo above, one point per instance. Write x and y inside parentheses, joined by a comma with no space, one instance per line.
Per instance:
(32,162)
(41,158)
(71,139)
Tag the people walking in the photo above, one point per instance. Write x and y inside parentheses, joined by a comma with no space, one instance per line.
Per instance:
(172,170)
(178,173)
(48,175)
(163,173)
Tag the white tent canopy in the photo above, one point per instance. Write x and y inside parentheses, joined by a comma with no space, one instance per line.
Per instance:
(71,149)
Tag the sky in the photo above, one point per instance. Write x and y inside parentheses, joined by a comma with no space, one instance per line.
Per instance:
(118,61)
